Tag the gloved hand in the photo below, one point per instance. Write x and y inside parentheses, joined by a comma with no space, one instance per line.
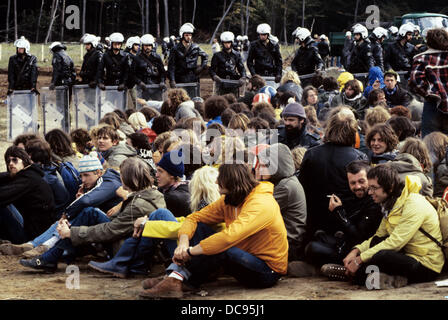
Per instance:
(121,87)
(52,86)
(173,84)
(92,84)
(142,86)
(10,91)
(198,70)
(162,86)
(102,86)
(278,78)
(217,79)
(35,91)
(242,81)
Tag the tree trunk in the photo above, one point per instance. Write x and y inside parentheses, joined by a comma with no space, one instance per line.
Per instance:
(284,23)
(166,29)
(84,7)
(101,18)
(303,13)
(147,16)
(247,17)
(220,21)
(157,18)
(194,12)
(15,20)
(356,11)
(142,13)
(62,20)
(180,13)
(7,21)
(241,17)
(54,7)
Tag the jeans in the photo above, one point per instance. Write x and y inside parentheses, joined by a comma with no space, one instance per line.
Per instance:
(245,267)
(11,225)
(433,119)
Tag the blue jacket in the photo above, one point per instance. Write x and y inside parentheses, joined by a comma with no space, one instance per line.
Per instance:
(374,73)
(60,193)
(101,196)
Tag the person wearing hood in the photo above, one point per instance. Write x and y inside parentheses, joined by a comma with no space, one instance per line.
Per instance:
(276,165)
(307,59)
(351,96)
(111,150)
(343,78)
(22,68)
(361,59)
(376,80)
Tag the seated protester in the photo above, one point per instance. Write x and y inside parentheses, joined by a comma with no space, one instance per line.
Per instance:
(111,150)
(297,155)
(382,142)
(276,165)
(356,220)
(21,140)
(376,97)
(413,159)
(94,226)
(323,170)
(61,147)
(163,123)
(403,128)
(253,247)
(313,123)
(214,107)
(150,114)
(82,141)
(310,98)
(226,115)
(395,95)
(343,78)
(255,84)
(40,154)
(376,81)
(290,82)
(139,141)
(295,131)
(437,144)
(139,124)
(135,253)
(181,105)
(26,201)
(399,248)
(330,90)
(192,152)
(124,126)
(378,114)
(351,96)
(170,170)
(112,119)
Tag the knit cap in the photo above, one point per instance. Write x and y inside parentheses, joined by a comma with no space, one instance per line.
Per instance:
(294,110)
(89,163)
(173,163)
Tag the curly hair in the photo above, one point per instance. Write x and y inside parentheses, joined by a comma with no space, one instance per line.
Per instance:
(60,143)
(386,133)
(176,97)
(437,39)
(418,149)
(214,106)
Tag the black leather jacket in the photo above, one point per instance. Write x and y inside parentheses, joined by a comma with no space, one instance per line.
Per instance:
(63,69)
(113,70)
(303,138)
(149,69)
(361,59)
(398,57)
(378,54)
(307,59)
(89,66)
(22,80)
(265,61)
(183,63)
(227,65)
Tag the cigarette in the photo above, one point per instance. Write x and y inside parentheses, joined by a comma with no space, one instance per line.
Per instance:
(329,196)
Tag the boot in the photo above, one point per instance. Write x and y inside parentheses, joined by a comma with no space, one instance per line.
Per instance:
(302,269)
(169,288)
(109,267)
(151,282)
(334,271)
(39,250)
(15,249)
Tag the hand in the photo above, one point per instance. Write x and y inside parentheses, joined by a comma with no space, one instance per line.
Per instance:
(198,70)
(278,79)
(121,87)
(162,86)
(63,229)
(349,258)
(92,84)
(80,191)
(102,86)
(181,255)
(114,210)
(52,86)
(10,91)
(173,84)
(217,79)
(122,193)
(141,101)
(334,202)
(139,225)
(353,266)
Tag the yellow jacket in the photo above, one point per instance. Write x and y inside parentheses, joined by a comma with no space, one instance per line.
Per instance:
(410,212)
(256,227)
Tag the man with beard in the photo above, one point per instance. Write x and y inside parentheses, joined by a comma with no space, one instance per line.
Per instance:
(294,132)
(22,68)
(353,221)
(91,60)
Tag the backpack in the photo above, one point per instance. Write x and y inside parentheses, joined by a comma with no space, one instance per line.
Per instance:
(70,176)
(441,206)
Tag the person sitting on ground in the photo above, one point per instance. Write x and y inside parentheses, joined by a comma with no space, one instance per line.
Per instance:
(214,107)
(163,123)
(297,155)
(113,120)
(150,114)
(351,96)
(382,142)
(403,128)
(378,114)
(226,115)
(21,140)
(253,247)
(111,150)
(310,98)
(313,123)
(395,94)
(356,219)
(376,97)
(82,141)
(138,122)
(124,126)
(437,144)
(181,105)
(61,147)
(255,84)
(401,248)
(291,82)
(276,165)
(26,201)
(94,226)
(139,141)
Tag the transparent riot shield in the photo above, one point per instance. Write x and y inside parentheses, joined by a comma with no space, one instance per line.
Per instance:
(22,114)
(152,92)
(306,79)
(86,106)
(111,99)
(229,86)
(193,88)
(55,108)
(270,81)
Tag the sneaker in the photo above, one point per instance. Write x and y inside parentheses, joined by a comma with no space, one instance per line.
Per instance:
(387,281)
(10,249)
(334,271)
(38,264)
(39,250)
(301,269)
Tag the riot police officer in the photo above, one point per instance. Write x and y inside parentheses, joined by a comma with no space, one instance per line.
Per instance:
(377,38)
(307,59)
(183,59)
(361,59)
(91,60)
(227,64)
(264,56)
(113,69)
(22,68)
(63,67)
(399,55)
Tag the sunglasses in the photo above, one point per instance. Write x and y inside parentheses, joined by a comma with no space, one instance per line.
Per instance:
(13,159)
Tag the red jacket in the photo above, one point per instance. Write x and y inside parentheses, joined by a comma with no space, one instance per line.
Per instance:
(150,134)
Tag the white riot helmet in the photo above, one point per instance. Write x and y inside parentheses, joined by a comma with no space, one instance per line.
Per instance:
(323,37)
(90,38)
(116,37)
(417,28)
(186,28)
(348,34)
(405,28)
(166,39)
(294,33)
(361,30)
(245,38)
(227,36)
(273,39)
(57,45)
(148,39)
(302,34)
(22,43)
(238,38)
(264,28)
(380,32)
(393,30)
(132,41)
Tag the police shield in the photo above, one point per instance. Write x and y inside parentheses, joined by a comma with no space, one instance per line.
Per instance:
(86,106)
(270,81)
(193,88)
(229,86)
(111,99)
(152,92)
(55,108)
(22,114)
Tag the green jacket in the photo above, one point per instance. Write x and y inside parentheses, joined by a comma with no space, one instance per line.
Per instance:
(121,226)
(410,213)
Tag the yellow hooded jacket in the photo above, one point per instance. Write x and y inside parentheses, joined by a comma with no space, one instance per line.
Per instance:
(410,212)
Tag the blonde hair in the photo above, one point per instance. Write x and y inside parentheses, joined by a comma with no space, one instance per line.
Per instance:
(290,76)
(418,149)
(378,114)
(297,156)
(437,144)
(239,121)
(138,120)
(203,187)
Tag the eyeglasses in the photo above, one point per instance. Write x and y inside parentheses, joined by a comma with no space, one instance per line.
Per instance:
(13,159)
(373,188)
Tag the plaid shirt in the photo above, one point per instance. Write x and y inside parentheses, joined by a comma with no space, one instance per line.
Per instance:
(429,77)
